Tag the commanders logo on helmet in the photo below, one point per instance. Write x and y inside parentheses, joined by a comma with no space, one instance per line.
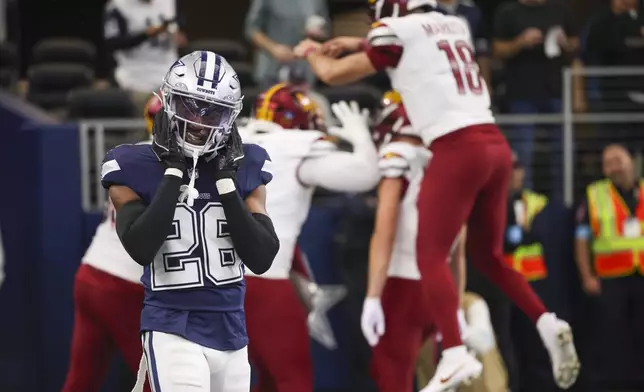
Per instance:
(289,107)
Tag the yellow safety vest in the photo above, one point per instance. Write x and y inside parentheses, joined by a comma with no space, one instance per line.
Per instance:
(528,259)
(615,254)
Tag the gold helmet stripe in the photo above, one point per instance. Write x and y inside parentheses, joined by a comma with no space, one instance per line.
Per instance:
(264,112)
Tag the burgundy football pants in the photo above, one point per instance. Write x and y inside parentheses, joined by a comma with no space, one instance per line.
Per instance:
(467,182)
(279,347)
(408,325)
(106,318)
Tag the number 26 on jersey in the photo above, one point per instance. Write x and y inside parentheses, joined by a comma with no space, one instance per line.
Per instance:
(198,249)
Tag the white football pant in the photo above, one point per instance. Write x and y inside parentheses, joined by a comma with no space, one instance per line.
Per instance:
(175,364)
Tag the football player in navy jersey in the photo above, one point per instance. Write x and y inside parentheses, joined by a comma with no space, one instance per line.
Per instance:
(191,210)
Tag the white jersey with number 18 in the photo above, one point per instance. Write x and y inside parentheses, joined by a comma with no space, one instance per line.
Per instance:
(437,75)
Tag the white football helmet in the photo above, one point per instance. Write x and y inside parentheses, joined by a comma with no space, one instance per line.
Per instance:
(202,96)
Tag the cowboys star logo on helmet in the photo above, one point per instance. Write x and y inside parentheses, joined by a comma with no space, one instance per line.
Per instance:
(202,97)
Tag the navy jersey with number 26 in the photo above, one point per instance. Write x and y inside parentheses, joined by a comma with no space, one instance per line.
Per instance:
(195,286)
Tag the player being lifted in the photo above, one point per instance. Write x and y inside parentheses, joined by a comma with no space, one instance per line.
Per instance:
(429,58)
(194,230)
(108,297)
(288,126)
(394,290)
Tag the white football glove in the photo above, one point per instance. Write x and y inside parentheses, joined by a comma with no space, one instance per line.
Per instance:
(479,334)
(372,320)
(353,121)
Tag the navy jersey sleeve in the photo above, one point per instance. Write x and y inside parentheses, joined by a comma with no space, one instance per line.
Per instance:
(113,169)
(256,168)
(134,166)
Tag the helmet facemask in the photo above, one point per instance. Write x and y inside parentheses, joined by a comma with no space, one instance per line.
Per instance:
(202,124)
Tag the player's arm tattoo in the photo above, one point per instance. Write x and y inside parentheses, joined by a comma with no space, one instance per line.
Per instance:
(251,230)
(143,229)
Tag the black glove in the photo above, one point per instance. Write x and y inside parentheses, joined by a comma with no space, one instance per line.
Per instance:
(230,157)
(165,144)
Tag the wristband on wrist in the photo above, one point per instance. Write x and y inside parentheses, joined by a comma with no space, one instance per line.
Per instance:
(171,171)
(225,185)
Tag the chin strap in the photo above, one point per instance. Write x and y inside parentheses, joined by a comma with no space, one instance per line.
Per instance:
(188,192)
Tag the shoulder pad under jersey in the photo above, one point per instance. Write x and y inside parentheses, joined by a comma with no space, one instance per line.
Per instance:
(255,169)
(395,159)
(123,164)
(383,35)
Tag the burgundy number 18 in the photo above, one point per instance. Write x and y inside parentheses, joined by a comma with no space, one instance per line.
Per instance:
(464,68)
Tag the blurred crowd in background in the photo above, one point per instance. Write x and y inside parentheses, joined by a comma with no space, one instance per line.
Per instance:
(522,48)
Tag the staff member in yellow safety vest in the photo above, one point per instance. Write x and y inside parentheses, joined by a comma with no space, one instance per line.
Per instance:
(527,360)
(609,253)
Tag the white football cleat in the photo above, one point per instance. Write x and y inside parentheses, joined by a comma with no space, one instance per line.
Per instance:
(556,335)
(457,367)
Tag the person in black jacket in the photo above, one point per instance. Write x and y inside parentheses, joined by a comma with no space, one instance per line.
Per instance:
(614,37)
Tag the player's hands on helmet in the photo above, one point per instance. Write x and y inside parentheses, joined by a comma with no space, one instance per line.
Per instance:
(165,144)
(229,158)
(372,320)
(338,45)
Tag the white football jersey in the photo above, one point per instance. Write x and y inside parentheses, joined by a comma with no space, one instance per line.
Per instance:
(288,200)
(437,75)
(106,253)
(142,68)
(401,159)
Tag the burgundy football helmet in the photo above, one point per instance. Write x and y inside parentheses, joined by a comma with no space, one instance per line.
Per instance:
(288,106)
(152,107)
(391,119)
(395,8)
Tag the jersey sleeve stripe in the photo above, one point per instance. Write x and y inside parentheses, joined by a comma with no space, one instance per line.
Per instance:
(383,35)
(385,40)
(109,167)
(267,167)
